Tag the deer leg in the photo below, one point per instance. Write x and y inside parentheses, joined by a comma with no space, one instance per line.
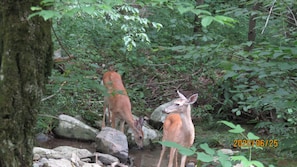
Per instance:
(171,157)
(122,125)
(103,120)
(176,158)
(113,121)
(183,161)
(109,116)
(161,156)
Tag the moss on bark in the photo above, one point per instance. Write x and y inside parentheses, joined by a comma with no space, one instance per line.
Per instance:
(25,57)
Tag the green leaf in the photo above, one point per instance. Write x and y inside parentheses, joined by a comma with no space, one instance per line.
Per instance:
(47,2)
(256,163)
(251,136)
(204,157)
(230,124)
(170,144)
(183,10)
(181,149)
(186,151)
(199,11)
(290,111)
(225,162)
(237,129)
(206,148)
(239,158)
(206,21)
(225,20)
(36,8)
(32,15)
(48,14)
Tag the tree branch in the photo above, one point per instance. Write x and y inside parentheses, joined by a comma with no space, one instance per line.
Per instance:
(270,11)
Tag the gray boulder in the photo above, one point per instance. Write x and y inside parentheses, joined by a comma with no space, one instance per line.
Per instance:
(158,115)
(113,142)
(70,127)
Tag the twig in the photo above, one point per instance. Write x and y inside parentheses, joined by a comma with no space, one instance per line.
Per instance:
(293,16)
(46,98)
(60,43)
(270,11)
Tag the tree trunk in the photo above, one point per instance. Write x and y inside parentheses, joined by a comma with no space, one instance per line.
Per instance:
(252,27)
(25,63)
(197,22)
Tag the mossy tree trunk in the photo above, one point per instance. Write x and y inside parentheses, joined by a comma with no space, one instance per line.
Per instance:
(25,63)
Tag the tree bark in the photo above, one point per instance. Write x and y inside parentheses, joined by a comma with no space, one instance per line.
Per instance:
(252,27)
(197,22)
(25,63)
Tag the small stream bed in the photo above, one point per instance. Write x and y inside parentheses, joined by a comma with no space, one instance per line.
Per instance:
(142,158)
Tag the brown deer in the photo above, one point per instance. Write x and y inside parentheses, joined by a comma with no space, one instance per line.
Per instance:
(178,127)
(119,107)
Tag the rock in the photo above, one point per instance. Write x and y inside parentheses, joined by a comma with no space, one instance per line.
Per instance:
(158,115)
(228,151)
(68,150)
(41,137)
(190,164)
(69,127)
(53,163)
(36,157)
(91,165)
(60,152)
(117,164)
(46,153)
(113,142)
(106,158)
(64,156)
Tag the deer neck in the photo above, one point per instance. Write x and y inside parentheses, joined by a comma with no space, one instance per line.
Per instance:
(131,123)
(188,126)
(187,119)
(187,114)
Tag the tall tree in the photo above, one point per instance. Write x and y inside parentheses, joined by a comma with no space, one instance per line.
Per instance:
(252,26)
(25,63)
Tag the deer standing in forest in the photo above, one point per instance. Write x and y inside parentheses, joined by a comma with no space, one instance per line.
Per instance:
(119,107)
(178,127)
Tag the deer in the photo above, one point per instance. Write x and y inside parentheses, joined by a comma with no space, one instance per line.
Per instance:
(178,127)
(118,104)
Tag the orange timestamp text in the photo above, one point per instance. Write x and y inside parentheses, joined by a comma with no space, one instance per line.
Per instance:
(269,143)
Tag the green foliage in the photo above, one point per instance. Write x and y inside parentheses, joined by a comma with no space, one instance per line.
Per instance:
(109,12)
(262,82)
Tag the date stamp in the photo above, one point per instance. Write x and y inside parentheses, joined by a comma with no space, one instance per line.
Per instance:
(272,143)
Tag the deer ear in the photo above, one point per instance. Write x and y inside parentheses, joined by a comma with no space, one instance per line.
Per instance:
(181,95)
(139,122)
(193,98)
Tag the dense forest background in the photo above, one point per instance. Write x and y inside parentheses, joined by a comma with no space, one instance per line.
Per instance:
(240,56)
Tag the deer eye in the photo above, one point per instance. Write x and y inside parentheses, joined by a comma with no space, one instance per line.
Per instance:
(176,104)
